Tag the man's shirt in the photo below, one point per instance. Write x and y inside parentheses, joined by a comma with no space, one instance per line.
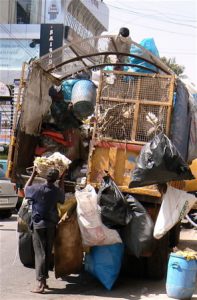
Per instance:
(44,199)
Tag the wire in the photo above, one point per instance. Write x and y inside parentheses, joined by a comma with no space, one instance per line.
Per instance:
(162,13)
(156,28)
(17,40)
(153,17)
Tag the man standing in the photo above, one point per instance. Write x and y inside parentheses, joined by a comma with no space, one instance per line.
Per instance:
(44,199)
(122,43)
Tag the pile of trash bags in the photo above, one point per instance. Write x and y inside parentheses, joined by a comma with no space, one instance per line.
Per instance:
(109,224)
(98,226)
(159,162)
(95,230)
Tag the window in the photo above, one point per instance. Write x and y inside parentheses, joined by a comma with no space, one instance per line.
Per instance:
(23,11)
(28,11)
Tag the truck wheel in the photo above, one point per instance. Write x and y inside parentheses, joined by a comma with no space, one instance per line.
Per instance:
(174,235)
(5,214)
(132,266)
(155,267)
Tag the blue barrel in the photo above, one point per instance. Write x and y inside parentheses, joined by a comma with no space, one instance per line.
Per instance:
(83,98)
(67,86)
(181,277)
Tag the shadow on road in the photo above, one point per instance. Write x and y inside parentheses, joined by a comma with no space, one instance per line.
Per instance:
(125,287)
(7,229)
(11,219)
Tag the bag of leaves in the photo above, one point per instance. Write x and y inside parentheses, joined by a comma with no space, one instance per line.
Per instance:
(159,162)
(114,208)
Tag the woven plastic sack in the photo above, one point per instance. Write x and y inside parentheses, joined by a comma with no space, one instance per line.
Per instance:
(56,160)
(93,232)
(68,250)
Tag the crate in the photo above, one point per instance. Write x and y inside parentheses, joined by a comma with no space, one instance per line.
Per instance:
(124,102)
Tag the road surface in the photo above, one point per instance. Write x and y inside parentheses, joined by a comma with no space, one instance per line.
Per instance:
(16,281)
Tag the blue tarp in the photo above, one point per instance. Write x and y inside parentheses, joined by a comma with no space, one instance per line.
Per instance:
(148,44)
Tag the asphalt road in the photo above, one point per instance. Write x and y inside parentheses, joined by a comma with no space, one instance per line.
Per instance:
(16,281)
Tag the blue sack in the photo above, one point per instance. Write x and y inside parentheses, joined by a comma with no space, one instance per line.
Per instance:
(148,44)
(104,262)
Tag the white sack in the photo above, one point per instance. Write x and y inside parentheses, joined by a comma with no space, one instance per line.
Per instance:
(175,205)
(93,231)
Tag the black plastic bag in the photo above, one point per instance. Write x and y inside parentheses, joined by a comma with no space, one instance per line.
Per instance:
(159,162)
(138,234)
(114,208)
(24,218)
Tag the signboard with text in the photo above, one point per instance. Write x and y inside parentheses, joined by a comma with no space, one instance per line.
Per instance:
(51,38)
(54,12)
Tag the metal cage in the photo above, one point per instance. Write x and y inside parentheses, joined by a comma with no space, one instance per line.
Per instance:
(132,107)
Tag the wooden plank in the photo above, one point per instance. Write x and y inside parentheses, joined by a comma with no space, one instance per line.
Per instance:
(120,167)
(137,74)
(169,113)
(130,162)
(136,112)
(146,190)
(123,146)
(112,160)
(99,164)
(146,102)
(123,141)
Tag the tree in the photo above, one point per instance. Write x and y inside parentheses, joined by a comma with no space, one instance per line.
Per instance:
(171,63)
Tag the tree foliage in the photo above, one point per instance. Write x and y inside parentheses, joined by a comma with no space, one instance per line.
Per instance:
(171,63)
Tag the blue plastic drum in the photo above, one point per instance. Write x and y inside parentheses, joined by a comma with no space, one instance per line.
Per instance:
(181,277)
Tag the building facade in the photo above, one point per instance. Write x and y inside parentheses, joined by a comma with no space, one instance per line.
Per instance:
(25,29)
(21,22)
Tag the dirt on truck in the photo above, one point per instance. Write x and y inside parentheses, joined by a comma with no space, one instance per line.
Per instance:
(108,127)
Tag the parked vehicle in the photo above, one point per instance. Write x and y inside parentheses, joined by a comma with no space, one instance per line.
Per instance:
(8,194)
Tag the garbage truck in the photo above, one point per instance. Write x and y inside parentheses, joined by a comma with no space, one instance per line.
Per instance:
(109,137)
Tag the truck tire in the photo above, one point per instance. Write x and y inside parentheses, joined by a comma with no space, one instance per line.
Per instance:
(155,267)
(174,235)
(132,266)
